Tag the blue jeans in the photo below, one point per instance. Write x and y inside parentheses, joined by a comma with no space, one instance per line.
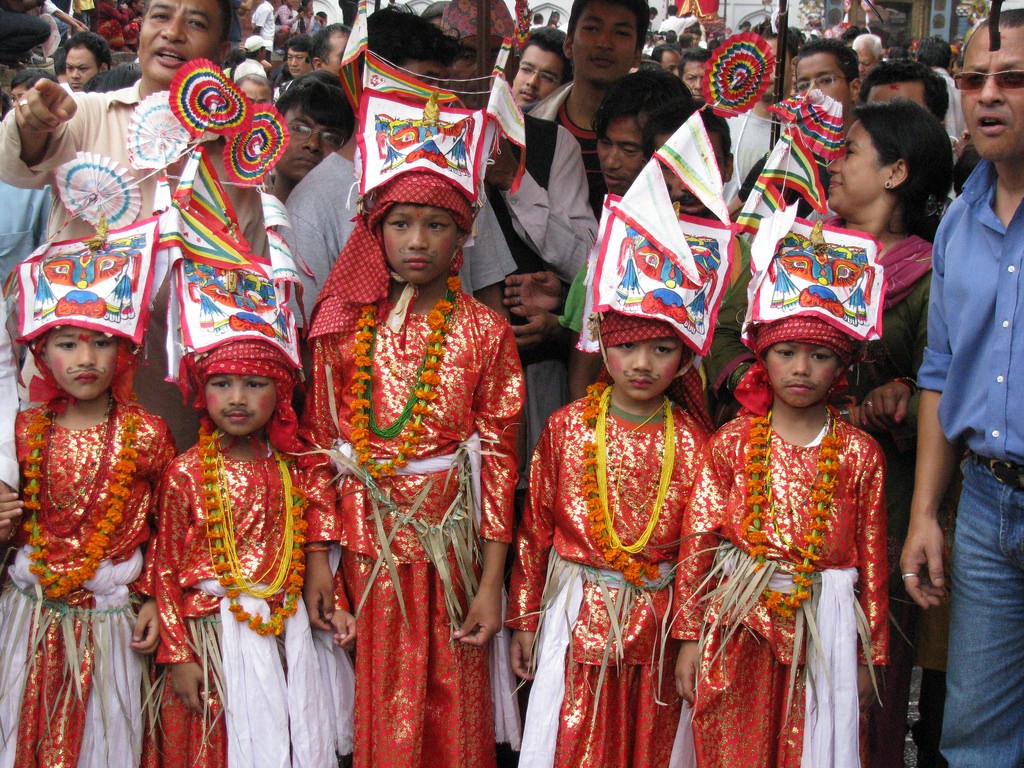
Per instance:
(984,719)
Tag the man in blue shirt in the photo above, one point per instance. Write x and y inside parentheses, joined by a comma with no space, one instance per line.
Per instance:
(971,398)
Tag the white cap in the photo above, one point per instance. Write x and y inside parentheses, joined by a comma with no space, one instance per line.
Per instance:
(254,42)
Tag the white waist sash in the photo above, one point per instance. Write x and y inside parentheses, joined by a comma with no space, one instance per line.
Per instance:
(112,733)
(261,705)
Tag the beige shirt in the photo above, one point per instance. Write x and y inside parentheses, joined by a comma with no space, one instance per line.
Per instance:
(100,125)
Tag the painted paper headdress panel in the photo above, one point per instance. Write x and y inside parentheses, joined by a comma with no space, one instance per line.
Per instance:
(398,135)
(815,270)
(102,283)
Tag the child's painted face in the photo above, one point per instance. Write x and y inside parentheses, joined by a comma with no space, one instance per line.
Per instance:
(642,371)
(240,405)
(420,242)
(801,374)
(83,362)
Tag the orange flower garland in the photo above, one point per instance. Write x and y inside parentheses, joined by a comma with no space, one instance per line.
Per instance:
(634,571)
(58,585)
(423,392)
(759,497)
(221,538)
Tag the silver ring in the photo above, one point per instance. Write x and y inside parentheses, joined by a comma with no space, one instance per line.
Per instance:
(907,575)
(23,102)
(519,301)
(867,403)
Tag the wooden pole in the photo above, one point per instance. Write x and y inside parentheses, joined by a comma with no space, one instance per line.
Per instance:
(780,64)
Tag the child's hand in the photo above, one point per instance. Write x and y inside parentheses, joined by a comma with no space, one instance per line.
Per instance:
(187,683)
(686,670)
(521,652)
(865,690)
(146,634)
(483,619)
(318,591)
(10,512)
(344,629)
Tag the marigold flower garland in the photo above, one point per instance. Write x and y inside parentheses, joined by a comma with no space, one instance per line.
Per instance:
(55,584)
(220,533)
(759,499)
(423,393)
(602,526)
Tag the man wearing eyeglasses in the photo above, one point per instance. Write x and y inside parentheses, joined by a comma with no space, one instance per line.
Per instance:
(832,68)
(972,385)
(543,67)
(319,123)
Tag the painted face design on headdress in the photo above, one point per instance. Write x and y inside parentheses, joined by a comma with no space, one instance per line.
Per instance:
(234,300)
(810,272)
(404,140)
(90,282)
(667,291)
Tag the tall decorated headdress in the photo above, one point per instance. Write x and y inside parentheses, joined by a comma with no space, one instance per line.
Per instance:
(817,271)
(651,262)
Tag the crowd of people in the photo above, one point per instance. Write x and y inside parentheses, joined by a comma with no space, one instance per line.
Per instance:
(464,520)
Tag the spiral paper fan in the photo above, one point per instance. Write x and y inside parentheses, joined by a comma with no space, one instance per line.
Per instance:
(92,186)
(819,121)
(250,154)
(738,73)
(203,99)
(156,137)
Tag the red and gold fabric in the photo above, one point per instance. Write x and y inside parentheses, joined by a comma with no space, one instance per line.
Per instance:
(748,695)
(632,727)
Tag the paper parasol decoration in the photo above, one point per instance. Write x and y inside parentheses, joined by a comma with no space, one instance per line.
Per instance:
(92,186)
(818,119)
(738,73)
(156,138)
(203,99)
(250,154)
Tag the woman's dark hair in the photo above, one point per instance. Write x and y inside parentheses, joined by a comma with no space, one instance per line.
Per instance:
(903,130)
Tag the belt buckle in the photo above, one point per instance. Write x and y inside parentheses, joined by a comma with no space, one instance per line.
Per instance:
(1007,473)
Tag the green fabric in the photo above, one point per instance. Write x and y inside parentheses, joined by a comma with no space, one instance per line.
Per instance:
(575,302)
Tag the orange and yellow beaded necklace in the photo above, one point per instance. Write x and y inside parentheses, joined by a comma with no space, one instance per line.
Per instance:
(759,501)
(408,427)
(220,533)
(56,584)
(618,555)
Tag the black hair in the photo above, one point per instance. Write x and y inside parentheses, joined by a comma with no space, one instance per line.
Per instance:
(114,79)
(322,39)
(638,95)
(934,52)
(320,97)
(637,7)
(1007,19)
(897,53)
(235,57)
(60,61)
(660,50)
(964,167)
(703,55)
(903,130)
(667,118)
(95,44)
(400,37)
(299,44)
(851,34)
(551,40)
(845,57)
(936,97)
(794,38)
(227,13)
(29,77)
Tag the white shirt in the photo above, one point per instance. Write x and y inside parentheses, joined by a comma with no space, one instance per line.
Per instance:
(263,20)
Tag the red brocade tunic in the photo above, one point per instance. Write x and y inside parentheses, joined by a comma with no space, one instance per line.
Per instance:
(631,728)
(182,559)
(78,470)
(740,716)
(421,699)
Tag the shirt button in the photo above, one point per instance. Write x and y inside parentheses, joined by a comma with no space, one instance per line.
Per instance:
(1006,323)
(995,433)
(1011,268)
(999,379)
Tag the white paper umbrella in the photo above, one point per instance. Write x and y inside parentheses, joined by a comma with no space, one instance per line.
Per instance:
(91,186)
(156,137)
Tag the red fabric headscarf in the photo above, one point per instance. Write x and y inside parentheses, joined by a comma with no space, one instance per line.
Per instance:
(755,392)
(251,358)
(361,275)
(686,389)
(45,389)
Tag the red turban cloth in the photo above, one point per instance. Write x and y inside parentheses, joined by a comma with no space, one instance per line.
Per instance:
(361,274)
